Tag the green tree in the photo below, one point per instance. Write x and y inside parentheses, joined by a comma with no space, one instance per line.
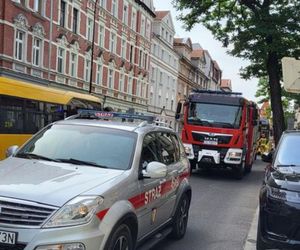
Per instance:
(288,100)
(261,31)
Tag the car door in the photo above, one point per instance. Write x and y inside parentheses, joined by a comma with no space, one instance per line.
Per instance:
(169,153)
(150,188)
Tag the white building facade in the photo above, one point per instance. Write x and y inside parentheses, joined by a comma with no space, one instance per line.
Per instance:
(164,70)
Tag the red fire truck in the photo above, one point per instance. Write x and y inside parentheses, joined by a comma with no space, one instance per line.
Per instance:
(219,130)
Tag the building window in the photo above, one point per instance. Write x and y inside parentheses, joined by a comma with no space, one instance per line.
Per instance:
(142,31)
(36,50)
(90,29)
(125,13)
(114,8)
(113,42)
(133,20)
(37,6)
(87,69)
(129,89)
(73,65)
(102,3)
(123,53)
(23,2)
(62,21)
(140,59)
(20,45)
(148,29)
(146,61)
(110,78)
(99,74)
(61,60)
(121,84)
(75,20)
(101,36)
(138,88)
(131,54)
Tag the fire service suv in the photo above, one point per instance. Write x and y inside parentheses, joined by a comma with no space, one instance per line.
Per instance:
(219,130)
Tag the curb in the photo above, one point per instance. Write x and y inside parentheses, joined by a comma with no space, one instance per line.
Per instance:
(250,243)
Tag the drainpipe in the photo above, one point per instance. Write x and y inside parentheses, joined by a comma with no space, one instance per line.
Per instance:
(50,40)
(93,41)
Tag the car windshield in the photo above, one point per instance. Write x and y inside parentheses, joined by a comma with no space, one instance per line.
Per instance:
(215,115)
(288,151)
(82,145)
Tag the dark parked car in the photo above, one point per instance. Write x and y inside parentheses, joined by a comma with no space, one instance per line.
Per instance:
(279,215)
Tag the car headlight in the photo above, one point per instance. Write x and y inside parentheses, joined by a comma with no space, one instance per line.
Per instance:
(78,211)
(284,195)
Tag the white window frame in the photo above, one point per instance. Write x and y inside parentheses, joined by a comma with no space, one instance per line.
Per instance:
(138,88)
(87,69)
(121,81)
(73,64)
(114,8)
(123,48)
(99,74)
(129,84)
(36,49)
(102,3)
(113,42)
(20,57)
(125,13)
(143,23)
(101,35)
(63,59)
(110,78)
(89,30)
(133,19)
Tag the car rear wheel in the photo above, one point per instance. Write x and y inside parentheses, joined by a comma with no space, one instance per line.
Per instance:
(120,239)
(181,218)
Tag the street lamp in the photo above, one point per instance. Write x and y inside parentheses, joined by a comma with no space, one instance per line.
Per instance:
(92,49)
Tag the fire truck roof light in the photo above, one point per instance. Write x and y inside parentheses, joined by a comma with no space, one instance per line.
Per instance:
(218,92)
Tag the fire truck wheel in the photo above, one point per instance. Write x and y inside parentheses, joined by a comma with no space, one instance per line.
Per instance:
(248,169)
(239,171)
(193,164)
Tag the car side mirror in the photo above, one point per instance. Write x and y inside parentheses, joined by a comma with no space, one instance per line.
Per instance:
(155,170)
(11,151)
(267,157)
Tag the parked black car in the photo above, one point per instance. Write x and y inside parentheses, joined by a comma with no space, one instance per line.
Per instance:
(279,215)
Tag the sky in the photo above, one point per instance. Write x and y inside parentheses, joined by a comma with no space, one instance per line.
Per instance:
(229,65)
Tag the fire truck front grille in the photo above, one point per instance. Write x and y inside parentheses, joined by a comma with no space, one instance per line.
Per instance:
(201,137)
(23,213)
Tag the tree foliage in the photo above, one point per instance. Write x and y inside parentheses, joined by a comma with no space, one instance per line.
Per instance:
(261,31)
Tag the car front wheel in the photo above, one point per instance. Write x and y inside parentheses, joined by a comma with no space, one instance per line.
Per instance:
(260,245)
(181,217)
(121,239)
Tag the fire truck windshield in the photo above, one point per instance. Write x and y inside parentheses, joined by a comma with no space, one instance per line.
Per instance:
(214,115)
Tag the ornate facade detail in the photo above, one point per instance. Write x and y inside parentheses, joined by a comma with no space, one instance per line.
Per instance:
(21,21)
(38,30)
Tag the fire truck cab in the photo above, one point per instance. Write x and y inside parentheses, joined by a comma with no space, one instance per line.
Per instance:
(219,130)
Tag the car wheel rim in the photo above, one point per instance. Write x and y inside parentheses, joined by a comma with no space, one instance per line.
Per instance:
(183,215)
(121,243)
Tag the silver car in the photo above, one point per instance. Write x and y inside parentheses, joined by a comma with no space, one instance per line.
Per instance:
(89,184)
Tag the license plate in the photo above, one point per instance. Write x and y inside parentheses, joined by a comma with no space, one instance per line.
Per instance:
(211,142)
(8,237)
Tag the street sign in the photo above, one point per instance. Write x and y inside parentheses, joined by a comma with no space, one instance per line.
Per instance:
(291,74)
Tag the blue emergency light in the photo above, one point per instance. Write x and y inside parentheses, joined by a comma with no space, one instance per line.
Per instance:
(95,114)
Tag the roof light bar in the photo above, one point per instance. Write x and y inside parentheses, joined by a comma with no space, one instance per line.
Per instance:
(218,92)
(82,113)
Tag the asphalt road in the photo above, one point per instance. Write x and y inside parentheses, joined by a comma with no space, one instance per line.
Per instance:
(221,211)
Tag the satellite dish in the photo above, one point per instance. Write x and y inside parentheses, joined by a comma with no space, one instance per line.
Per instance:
(291,74)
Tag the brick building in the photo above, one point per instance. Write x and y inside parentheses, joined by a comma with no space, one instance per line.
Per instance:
(51,43)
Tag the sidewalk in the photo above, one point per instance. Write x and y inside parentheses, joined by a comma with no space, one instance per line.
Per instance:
(250,243)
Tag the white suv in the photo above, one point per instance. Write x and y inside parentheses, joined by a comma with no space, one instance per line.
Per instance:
(91,183)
